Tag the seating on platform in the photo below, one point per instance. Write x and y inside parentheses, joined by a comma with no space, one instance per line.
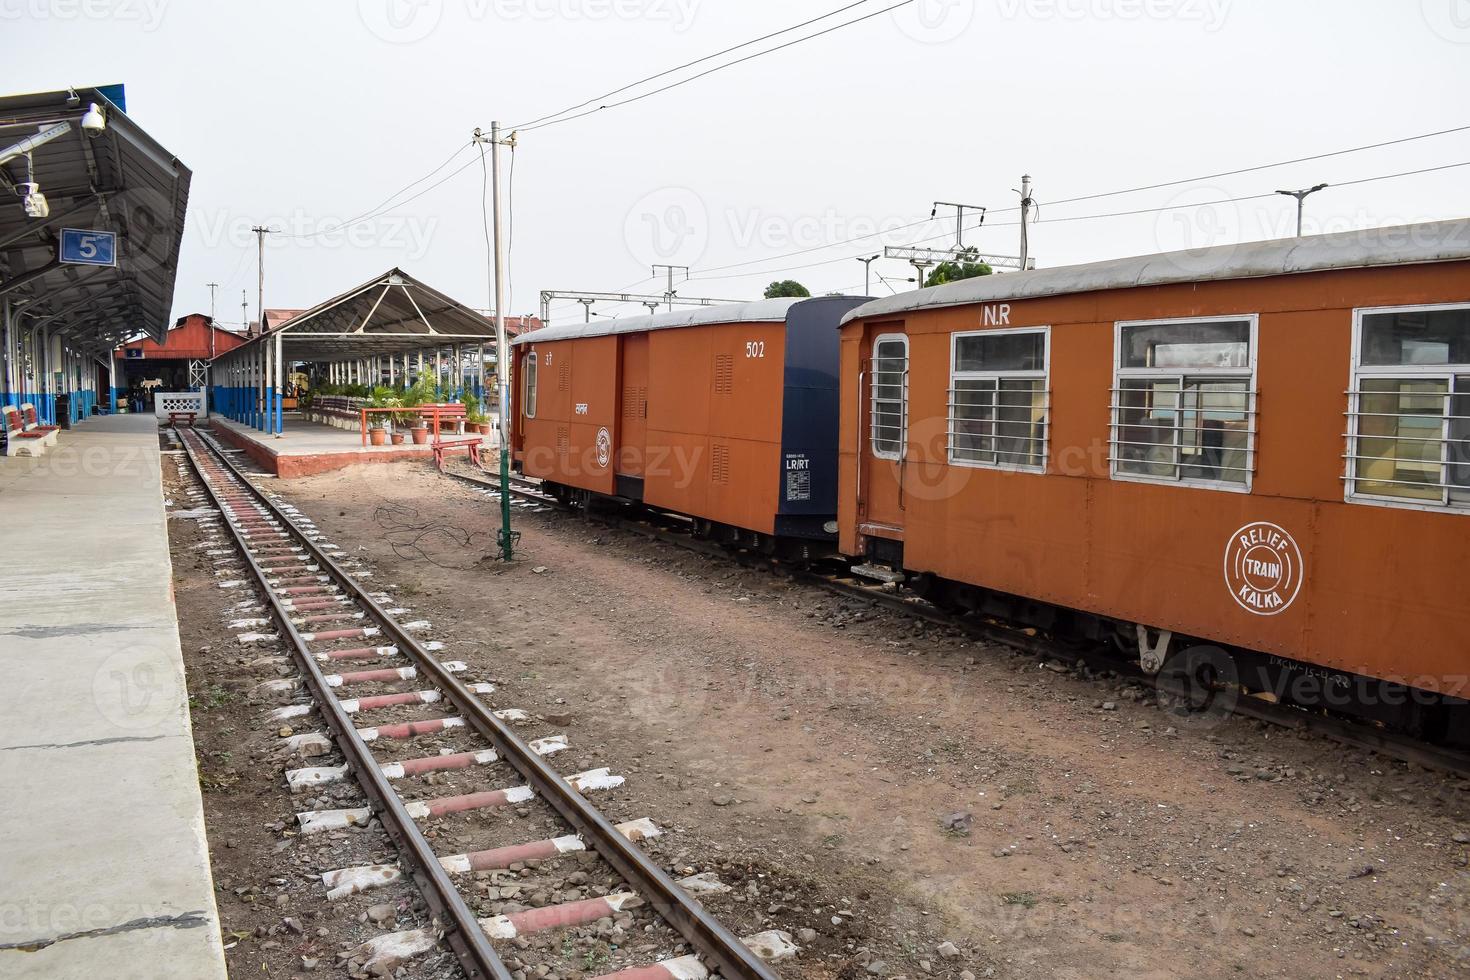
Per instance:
(33,424)
(450,415)
(19,442)
(341,411)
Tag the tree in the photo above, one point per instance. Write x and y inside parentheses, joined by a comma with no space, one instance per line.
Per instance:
(786,287)
(953,271)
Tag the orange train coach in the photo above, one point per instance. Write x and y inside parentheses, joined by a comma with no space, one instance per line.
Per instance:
(1247,464)
(725,414)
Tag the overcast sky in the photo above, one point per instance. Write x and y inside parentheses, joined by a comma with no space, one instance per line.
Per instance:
(301,115)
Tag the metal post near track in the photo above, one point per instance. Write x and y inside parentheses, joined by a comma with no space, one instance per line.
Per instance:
(280,388)
(506,537)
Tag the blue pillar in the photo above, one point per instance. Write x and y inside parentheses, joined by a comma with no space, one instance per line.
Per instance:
(280,422)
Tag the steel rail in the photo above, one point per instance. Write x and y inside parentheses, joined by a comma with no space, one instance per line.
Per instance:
(733,959)
(462,928)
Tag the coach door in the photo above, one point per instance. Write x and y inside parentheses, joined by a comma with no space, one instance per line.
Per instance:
(884,430)
(633,421)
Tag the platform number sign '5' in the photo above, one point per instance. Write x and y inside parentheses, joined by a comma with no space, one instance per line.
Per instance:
(81,246)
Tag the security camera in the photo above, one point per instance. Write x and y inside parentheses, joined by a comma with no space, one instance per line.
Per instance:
(93,123)
(33,200)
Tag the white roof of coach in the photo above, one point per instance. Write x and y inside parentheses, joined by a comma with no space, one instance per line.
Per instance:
(1440,241)
(760,311)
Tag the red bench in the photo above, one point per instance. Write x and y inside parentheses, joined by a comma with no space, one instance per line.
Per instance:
(471,445)
(33,424)
(19,442)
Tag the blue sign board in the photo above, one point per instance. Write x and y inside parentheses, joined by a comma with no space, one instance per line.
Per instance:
(81,246)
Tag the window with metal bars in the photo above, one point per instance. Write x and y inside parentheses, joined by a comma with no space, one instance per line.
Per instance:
(1409,407)
(528,382)
(890,396)
(1184,402)
(998,398)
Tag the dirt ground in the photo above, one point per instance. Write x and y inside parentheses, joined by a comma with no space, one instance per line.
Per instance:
(892,786)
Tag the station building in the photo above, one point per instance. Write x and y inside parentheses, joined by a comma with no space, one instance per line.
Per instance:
(180,363)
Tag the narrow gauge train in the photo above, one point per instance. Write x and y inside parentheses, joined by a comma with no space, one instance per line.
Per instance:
(726,414)
(1248,465)
(1263,447)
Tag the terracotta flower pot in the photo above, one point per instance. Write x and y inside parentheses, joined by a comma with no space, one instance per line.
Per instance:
(377,436)
(484,428)
(398,438)
(420,435)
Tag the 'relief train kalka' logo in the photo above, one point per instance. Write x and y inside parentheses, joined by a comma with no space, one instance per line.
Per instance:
(604,446)
(1263,568)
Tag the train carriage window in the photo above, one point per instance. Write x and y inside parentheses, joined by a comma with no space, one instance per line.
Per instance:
(1184,402)
(998,398)
(890,405)
(1409,407)
(528,390)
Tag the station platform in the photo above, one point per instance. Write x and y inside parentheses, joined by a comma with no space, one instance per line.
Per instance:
(104,870)
(308,448)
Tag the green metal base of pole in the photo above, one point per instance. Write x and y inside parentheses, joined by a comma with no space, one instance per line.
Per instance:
(507,538)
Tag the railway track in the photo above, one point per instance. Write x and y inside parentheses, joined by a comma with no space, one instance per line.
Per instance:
(353,659)
(1355,734)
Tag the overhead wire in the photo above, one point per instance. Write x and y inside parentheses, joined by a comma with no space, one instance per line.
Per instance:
(1091,217)
(1092,197)
(690,64)
(384,207)
(709,71)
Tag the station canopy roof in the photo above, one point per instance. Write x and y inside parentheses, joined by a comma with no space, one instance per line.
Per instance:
(119,180)
(393,313)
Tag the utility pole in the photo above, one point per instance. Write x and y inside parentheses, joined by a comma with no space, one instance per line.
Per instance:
(212,287)
(1026,205)
(506,538)
(586,309)
(260,233)
(867,263)
(1301,200)
(669,293)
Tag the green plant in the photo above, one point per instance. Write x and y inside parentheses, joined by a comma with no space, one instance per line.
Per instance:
(786,287)
(1024,899)
(382,397)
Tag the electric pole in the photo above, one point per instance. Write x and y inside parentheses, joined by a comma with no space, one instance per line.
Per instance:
(669,293)
(1301,201)
(260,233)
(867,263)
(212,287)
(1026,205)
(586,309)
(506,538)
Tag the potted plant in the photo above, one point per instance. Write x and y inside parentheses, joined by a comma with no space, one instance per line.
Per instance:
(474,416)
(402,419)
(380,397)
(416,394)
